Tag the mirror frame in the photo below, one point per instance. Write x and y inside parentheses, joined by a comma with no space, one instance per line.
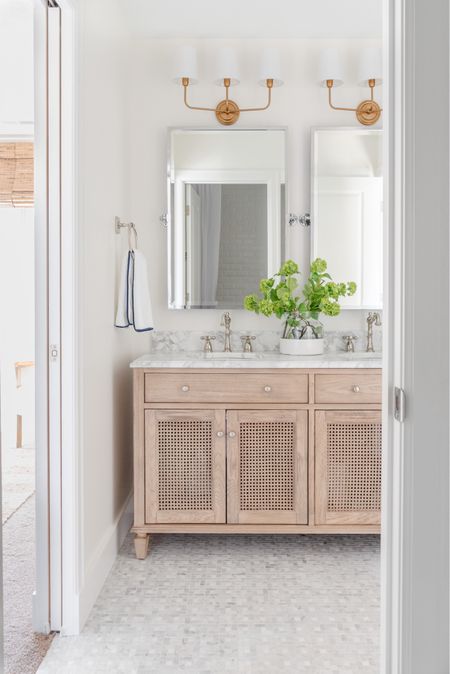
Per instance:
(169,215)
(314,130)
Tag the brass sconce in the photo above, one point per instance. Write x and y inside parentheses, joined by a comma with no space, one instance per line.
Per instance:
(227,111)
(368,112)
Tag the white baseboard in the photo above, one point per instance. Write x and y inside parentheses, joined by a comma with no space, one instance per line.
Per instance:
(100,564)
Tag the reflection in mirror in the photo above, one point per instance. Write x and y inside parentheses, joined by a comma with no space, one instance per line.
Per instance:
(226,214)
(347,209)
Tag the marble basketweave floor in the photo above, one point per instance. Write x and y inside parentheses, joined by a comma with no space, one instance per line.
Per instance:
(233,604)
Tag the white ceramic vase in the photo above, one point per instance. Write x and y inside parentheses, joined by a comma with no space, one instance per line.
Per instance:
(302,347)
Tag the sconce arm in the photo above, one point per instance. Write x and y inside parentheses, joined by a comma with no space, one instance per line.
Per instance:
(335,107)
(193,107)
(269,101)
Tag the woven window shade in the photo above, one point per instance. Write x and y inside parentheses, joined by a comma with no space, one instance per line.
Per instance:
(16,175)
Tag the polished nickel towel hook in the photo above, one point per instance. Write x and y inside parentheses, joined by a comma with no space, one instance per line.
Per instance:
(118,225)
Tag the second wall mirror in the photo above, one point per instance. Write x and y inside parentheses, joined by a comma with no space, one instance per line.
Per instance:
(347,209)
(227,214)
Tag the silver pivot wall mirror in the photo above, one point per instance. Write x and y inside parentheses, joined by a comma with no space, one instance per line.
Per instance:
(303,220)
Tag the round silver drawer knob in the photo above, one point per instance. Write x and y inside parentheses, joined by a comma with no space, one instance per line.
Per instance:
(231,434)
(220,434)
(267,389)
(185,388)
(356,389)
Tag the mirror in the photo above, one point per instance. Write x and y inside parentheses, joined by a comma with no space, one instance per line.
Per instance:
(226,215)
(347,210)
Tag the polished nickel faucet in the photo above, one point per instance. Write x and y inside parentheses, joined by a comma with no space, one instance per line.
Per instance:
(372,319)
(226,322)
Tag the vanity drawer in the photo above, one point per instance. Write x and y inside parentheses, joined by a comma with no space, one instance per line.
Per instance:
(226,388)
(348,388)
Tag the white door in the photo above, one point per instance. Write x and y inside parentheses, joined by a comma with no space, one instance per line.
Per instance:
(47,598)
(415,617)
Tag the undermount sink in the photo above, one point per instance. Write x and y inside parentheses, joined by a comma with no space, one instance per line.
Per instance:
(226,355)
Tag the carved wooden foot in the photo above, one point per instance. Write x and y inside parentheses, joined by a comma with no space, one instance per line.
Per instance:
(141,542)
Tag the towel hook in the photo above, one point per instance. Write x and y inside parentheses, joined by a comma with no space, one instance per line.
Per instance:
(118,225)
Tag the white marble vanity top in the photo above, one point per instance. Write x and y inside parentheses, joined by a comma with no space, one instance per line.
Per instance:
(186,359)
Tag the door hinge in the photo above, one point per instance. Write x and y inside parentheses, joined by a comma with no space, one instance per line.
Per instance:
(399,404)
(188,210)
(54,352)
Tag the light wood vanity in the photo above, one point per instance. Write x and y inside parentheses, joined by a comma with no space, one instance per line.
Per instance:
(294,450)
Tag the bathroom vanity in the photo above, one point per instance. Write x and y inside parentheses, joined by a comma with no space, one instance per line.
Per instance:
(258,444)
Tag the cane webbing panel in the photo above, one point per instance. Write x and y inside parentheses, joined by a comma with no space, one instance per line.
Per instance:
(354,466)
(185,465)
(266,457)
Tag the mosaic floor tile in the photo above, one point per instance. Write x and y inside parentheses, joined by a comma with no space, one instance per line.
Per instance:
(233,604)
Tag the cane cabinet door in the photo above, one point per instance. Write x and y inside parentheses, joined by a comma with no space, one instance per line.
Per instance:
(185,466)
(267,467)
(348,467)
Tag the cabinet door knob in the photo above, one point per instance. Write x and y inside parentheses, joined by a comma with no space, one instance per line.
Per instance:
(267,389)
(220,434)
(185,388)
(356,389)
(231,434)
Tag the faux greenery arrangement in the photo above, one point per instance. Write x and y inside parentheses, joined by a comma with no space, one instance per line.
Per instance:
(320,295)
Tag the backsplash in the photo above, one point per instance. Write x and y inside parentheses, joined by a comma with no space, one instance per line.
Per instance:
(266,340)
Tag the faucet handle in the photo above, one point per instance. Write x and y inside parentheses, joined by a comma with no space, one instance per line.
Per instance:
(349,342)
(208,345)
(247,343)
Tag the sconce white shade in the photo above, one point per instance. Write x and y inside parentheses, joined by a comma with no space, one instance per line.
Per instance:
(185,65)
(226,67)
(370,66)
(270,67)
(330,67)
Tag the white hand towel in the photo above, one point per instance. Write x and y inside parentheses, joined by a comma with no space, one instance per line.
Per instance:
(134,306)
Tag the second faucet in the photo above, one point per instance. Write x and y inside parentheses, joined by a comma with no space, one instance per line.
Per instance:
(226,321)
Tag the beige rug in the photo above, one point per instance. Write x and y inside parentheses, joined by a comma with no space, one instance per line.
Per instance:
(24,650)
(18,481)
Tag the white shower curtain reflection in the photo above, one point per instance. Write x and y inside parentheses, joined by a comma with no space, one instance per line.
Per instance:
(211,215)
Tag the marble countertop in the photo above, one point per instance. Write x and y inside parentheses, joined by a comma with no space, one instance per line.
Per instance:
(264,359)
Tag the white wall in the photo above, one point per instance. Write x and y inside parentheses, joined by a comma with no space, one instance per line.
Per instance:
(105,351)
(16,67)
(156,103)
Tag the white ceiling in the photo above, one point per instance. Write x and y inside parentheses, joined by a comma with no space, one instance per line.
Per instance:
(255,18)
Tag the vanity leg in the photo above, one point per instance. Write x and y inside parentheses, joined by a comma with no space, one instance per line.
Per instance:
(141,542)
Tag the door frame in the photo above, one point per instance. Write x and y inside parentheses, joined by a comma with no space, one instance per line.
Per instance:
(403,46)
(415,508)
(58,539)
